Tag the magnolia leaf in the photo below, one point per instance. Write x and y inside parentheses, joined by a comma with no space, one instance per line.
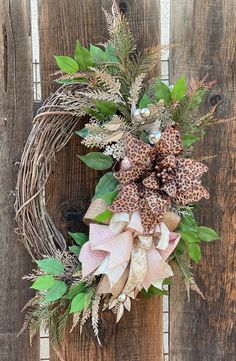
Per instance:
(79,238)
(207,234)
(106,107)
(179,89)
(80,302)
(189,236)
(96,52)
(189,139)
(66,64)
(56,292)
(163,92)
(83,57)
(83,133)
(97,160)
(75,290)
(51,265)
(104,216)
(194,252)
(43,282)
(108,183)
(145,101)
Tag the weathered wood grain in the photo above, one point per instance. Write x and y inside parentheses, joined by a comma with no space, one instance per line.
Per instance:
(16,104)
(205,330)
(138,337)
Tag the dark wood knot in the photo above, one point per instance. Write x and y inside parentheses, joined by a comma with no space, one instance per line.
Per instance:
(123,7)
(215,99)
(71,216)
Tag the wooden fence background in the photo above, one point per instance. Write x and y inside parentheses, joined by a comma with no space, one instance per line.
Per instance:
(205,34)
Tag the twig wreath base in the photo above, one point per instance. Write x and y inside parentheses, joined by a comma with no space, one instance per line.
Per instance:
(53,127)
(141,218)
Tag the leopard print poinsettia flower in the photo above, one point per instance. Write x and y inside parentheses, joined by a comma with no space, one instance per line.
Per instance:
(154,178)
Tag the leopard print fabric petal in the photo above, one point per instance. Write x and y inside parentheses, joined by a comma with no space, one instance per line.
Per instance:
(151,181)
(170,188)
(130,175)
(147,217)
(188,174)
(169,161)
(191,195)
(190,166)
(170,142)
(127,199)
(157,203)
(137,151)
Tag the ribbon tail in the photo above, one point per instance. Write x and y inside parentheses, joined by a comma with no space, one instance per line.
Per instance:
(173,242)
(158,269)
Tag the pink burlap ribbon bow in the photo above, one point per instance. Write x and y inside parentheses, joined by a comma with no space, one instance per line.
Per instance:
(113,249)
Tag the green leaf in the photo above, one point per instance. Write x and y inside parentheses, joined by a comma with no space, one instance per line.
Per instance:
(108,183)
(83,57)
(43,282)
(74,80)
(51,265)
(179,250)
(109,54)
(189,139)
(97,160)
(145,101)
(188,223)
(154,291)
(97,53)
(80,302)
(194,252)
(56,292)
(163,92)
(207,234)
(79,238)
(144,137)
(94,113)
(75,290)
(66,64)
(106,107)
(109,197)
(82,133)
(104,216)
(179,89)
(75,249)
(189,237)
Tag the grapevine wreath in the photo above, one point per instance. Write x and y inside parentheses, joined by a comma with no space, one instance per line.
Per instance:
(141,218)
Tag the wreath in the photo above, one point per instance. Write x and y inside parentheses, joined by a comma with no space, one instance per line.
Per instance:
(141,218)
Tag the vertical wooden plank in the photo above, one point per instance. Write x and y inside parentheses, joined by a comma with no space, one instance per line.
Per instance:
(205,330)
(139,335)
(16,104)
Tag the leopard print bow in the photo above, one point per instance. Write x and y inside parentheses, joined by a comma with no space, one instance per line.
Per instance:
(157,177)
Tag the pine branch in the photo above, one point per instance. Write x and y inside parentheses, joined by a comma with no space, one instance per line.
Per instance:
(95,316)
(135,90)
(185,270)
(107,81)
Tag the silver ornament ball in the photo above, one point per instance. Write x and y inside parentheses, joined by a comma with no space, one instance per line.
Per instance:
(122,298)
(154,136)
(145,113)
(137,116)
